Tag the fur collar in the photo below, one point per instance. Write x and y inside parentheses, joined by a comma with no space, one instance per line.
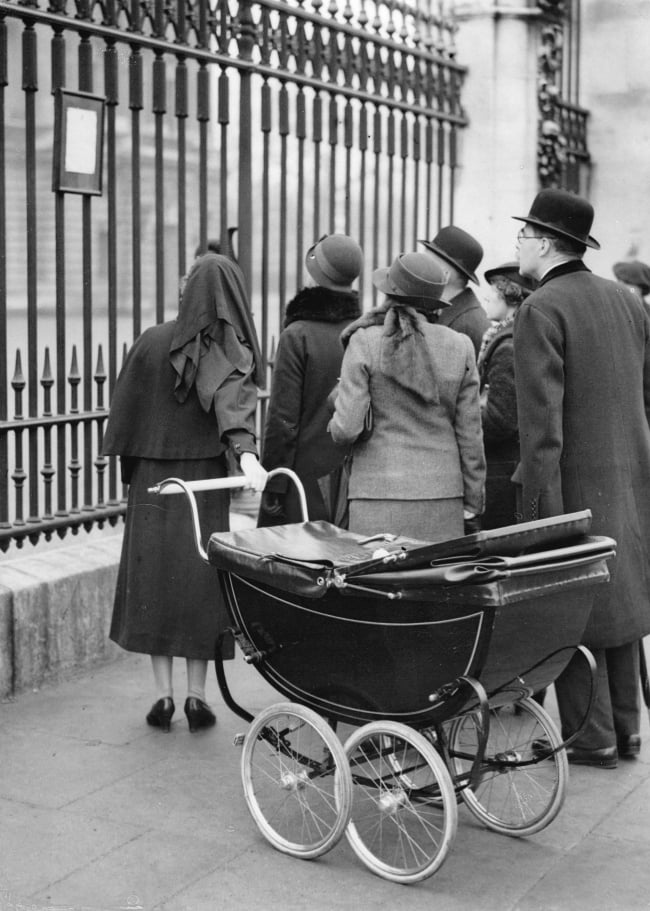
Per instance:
(323,305)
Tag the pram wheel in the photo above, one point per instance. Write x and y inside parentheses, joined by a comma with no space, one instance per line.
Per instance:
(296,780)
(404,813)
(515,795)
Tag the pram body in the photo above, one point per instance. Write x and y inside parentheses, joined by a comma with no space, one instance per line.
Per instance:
(429,654)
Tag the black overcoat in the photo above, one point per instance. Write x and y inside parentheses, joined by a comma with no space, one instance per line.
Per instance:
(465,314)
(582,371)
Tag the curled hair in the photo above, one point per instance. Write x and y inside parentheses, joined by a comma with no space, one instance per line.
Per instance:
(513,293)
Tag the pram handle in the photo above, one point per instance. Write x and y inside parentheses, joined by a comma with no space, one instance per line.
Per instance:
(176,485)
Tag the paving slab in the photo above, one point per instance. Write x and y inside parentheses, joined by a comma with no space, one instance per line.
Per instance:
(99,812)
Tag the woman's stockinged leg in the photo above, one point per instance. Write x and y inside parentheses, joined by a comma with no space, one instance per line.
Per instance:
(199,714)
(160,714)
(162,675)
(197,671)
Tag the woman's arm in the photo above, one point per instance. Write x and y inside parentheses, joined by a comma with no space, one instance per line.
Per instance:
(353,399)
(469,435)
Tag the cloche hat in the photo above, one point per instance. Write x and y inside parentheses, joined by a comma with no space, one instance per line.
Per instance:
(458,248)
(562,213)
(413,275)
(334,261)
(510,271)
(635,273)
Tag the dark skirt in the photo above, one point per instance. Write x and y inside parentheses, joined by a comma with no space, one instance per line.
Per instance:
(167,600)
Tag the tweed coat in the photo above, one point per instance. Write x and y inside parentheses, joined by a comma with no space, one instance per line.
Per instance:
(466,315)
(582,370)
(305,371)
(417,450)
(500,431)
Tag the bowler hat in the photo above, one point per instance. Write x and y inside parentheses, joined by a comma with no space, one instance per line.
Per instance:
(413,275)
(458,248)
(633,273)
(562,213)
(334,261)
(511,272)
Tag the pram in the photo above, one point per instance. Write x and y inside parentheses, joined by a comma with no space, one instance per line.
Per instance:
(409,669)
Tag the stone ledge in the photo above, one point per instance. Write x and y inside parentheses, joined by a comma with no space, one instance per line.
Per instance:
(55,610)
(56,607)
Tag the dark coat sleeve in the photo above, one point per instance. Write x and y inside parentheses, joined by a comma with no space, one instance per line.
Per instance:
(284,409)
(539,373)
(499,413)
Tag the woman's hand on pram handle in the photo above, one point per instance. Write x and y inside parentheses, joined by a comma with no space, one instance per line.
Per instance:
(253,471)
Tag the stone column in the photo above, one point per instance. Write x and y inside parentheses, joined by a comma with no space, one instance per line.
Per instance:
(498,42)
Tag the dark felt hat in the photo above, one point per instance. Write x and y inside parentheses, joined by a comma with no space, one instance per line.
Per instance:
(458,248)
(562,213)
(334,261)
(511,272)
(635,273)
(413,275)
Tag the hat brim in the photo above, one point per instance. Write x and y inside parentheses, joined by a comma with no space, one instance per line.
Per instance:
(381,283)
(589,241)
(448,259)
(512,275)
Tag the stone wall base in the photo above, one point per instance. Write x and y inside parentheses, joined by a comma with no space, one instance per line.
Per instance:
(55,611)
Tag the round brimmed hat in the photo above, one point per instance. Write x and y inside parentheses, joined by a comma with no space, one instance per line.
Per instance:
(634,273)
(511,272)
(413,275)
(458,248)
(334,261)
(562,213)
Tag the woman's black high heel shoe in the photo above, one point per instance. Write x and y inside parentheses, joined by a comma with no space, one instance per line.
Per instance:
(160,715)
(199,715)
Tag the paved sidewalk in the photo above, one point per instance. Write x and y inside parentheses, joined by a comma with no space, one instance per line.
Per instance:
(98,811)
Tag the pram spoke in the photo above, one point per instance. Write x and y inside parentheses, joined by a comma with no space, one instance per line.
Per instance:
(396,828)
(296,780)
(515,793)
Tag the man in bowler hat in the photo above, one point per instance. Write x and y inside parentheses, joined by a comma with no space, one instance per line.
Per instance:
(460,254)
(582,371)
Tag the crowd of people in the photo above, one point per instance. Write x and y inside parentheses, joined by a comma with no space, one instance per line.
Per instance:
(430,415)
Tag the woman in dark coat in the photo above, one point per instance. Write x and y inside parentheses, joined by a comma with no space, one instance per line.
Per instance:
(422,470)
(185,395)
(305,370)
(498,396)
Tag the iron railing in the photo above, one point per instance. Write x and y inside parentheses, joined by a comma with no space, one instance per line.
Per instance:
(288,119)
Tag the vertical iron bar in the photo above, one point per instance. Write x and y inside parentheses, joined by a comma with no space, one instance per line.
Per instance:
(75,466)
(203,116)
(86,85)
(159,109)
(377,148)
(47,471)
(181,114)
(333,140)
(301,135)
(111,92)
(452,171)
(441,165)
(363,148)
(136,103)
(283,127)
(246,43)
(404,151)
(265,126)
(4,442)
(317,127)
(416,180)
(30,87)
(18,475)
(58,82)
(348,140)
(428,158)
(390,208)
(224,121)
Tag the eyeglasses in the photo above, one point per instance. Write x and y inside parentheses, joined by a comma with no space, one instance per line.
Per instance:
(522,236)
